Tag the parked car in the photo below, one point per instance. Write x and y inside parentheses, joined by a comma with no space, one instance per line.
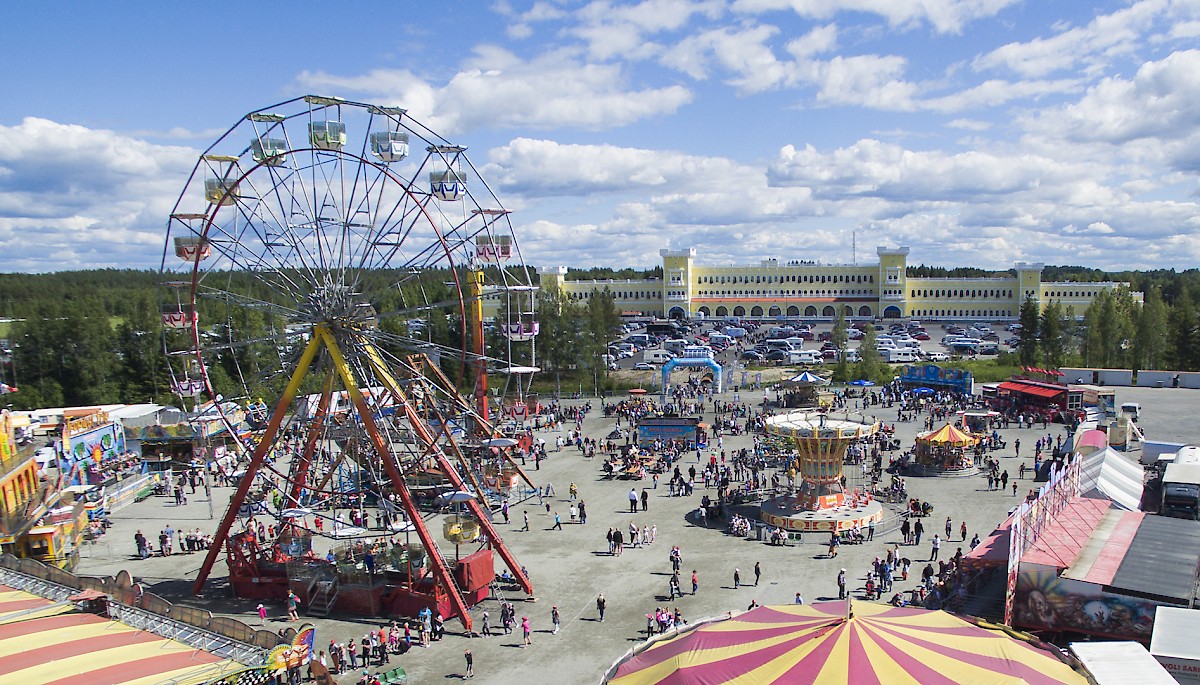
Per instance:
(920,335)
(643,366)
(752,355)
(778,356)
(937,356)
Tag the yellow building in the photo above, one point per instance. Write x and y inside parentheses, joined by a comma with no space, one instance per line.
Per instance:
(808,290)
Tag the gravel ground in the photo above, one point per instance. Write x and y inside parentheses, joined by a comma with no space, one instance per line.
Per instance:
(569,568)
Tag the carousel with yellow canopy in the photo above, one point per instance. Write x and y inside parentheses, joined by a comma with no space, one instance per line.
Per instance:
(945,449)
(819,441)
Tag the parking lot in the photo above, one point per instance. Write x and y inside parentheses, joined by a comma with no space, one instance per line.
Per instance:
(926,343)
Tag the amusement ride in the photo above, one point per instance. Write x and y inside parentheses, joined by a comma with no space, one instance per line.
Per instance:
(350,264)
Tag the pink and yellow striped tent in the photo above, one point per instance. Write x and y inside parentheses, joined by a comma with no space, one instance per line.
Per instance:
(818,645)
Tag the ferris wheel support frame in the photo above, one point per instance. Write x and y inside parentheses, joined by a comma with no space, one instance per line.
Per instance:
(256,461)
(476,509)
(310,445)
(483,426)
(441,571)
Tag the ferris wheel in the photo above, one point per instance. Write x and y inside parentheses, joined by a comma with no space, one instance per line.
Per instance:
(339,281)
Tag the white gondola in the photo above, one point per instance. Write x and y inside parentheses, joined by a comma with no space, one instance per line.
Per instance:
(327,135)
(493,248)
(188,388)
(447,185)
(389,146)
(525,329)
(222,191)
(191,249)
(269,151)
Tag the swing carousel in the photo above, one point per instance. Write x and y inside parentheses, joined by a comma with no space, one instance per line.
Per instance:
(818,442)
(337,262)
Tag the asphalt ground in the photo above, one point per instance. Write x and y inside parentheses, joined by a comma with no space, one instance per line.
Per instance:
(570,567)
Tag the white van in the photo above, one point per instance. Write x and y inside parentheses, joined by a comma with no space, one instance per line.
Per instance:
(675,346)
(805,357)
(900,355)
(658,356)
(853,356)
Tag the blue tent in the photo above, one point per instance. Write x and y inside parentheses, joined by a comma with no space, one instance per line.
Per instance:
(861,383)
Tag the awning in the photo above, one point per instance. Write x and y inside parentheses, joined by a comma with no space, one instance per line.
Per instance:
(1108,474)
(1029,389)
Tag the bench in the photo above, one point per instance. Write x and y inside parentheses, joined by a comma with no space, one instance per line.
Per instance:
(396,676)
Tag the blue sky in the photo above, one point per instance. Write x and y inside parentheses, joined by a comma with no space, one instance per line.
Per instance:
(977,132)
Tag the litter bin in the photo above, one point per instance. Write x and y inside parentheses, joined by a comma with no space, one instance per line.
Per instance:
(762,531)
(1160,384)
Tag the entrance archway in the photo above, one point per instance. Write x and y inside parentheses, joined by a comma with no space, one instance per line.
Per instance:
(891,312)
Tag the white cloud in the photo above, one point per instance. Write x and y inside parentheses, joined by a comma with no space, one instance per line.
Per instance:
(944,16)
(1091,45)
(553,90)
(73,197)
(1151,118)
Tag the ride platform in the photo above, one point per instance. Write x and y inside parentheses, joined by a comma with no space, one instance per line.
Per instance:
(790,513)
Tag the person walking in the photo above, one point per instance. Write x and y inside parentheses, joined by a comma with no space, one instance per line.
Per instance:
(695,582)
(906,531)
(871,530)
(962,530)
(633,501)
(757,573)
(937,545)
(949,527)
(292,602)
(918,529)
(527,631)
(526,526)
(737,578)
(470,673)
(557,522)
(555,620)
(143,545)
(262,615)
(601,604)
(834,543)
(645,500)
(841,583)
(582,512)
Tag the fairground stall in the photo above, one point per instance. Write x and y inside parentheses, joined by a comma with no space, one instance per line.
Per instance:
(959,381)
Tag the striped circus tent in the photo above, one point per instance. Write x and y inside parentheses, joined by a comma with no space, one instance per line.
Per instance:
(51,643)
(818,644)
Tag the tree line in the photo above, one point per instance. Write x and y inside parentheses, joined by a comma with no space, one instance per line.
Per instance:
(95,336)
